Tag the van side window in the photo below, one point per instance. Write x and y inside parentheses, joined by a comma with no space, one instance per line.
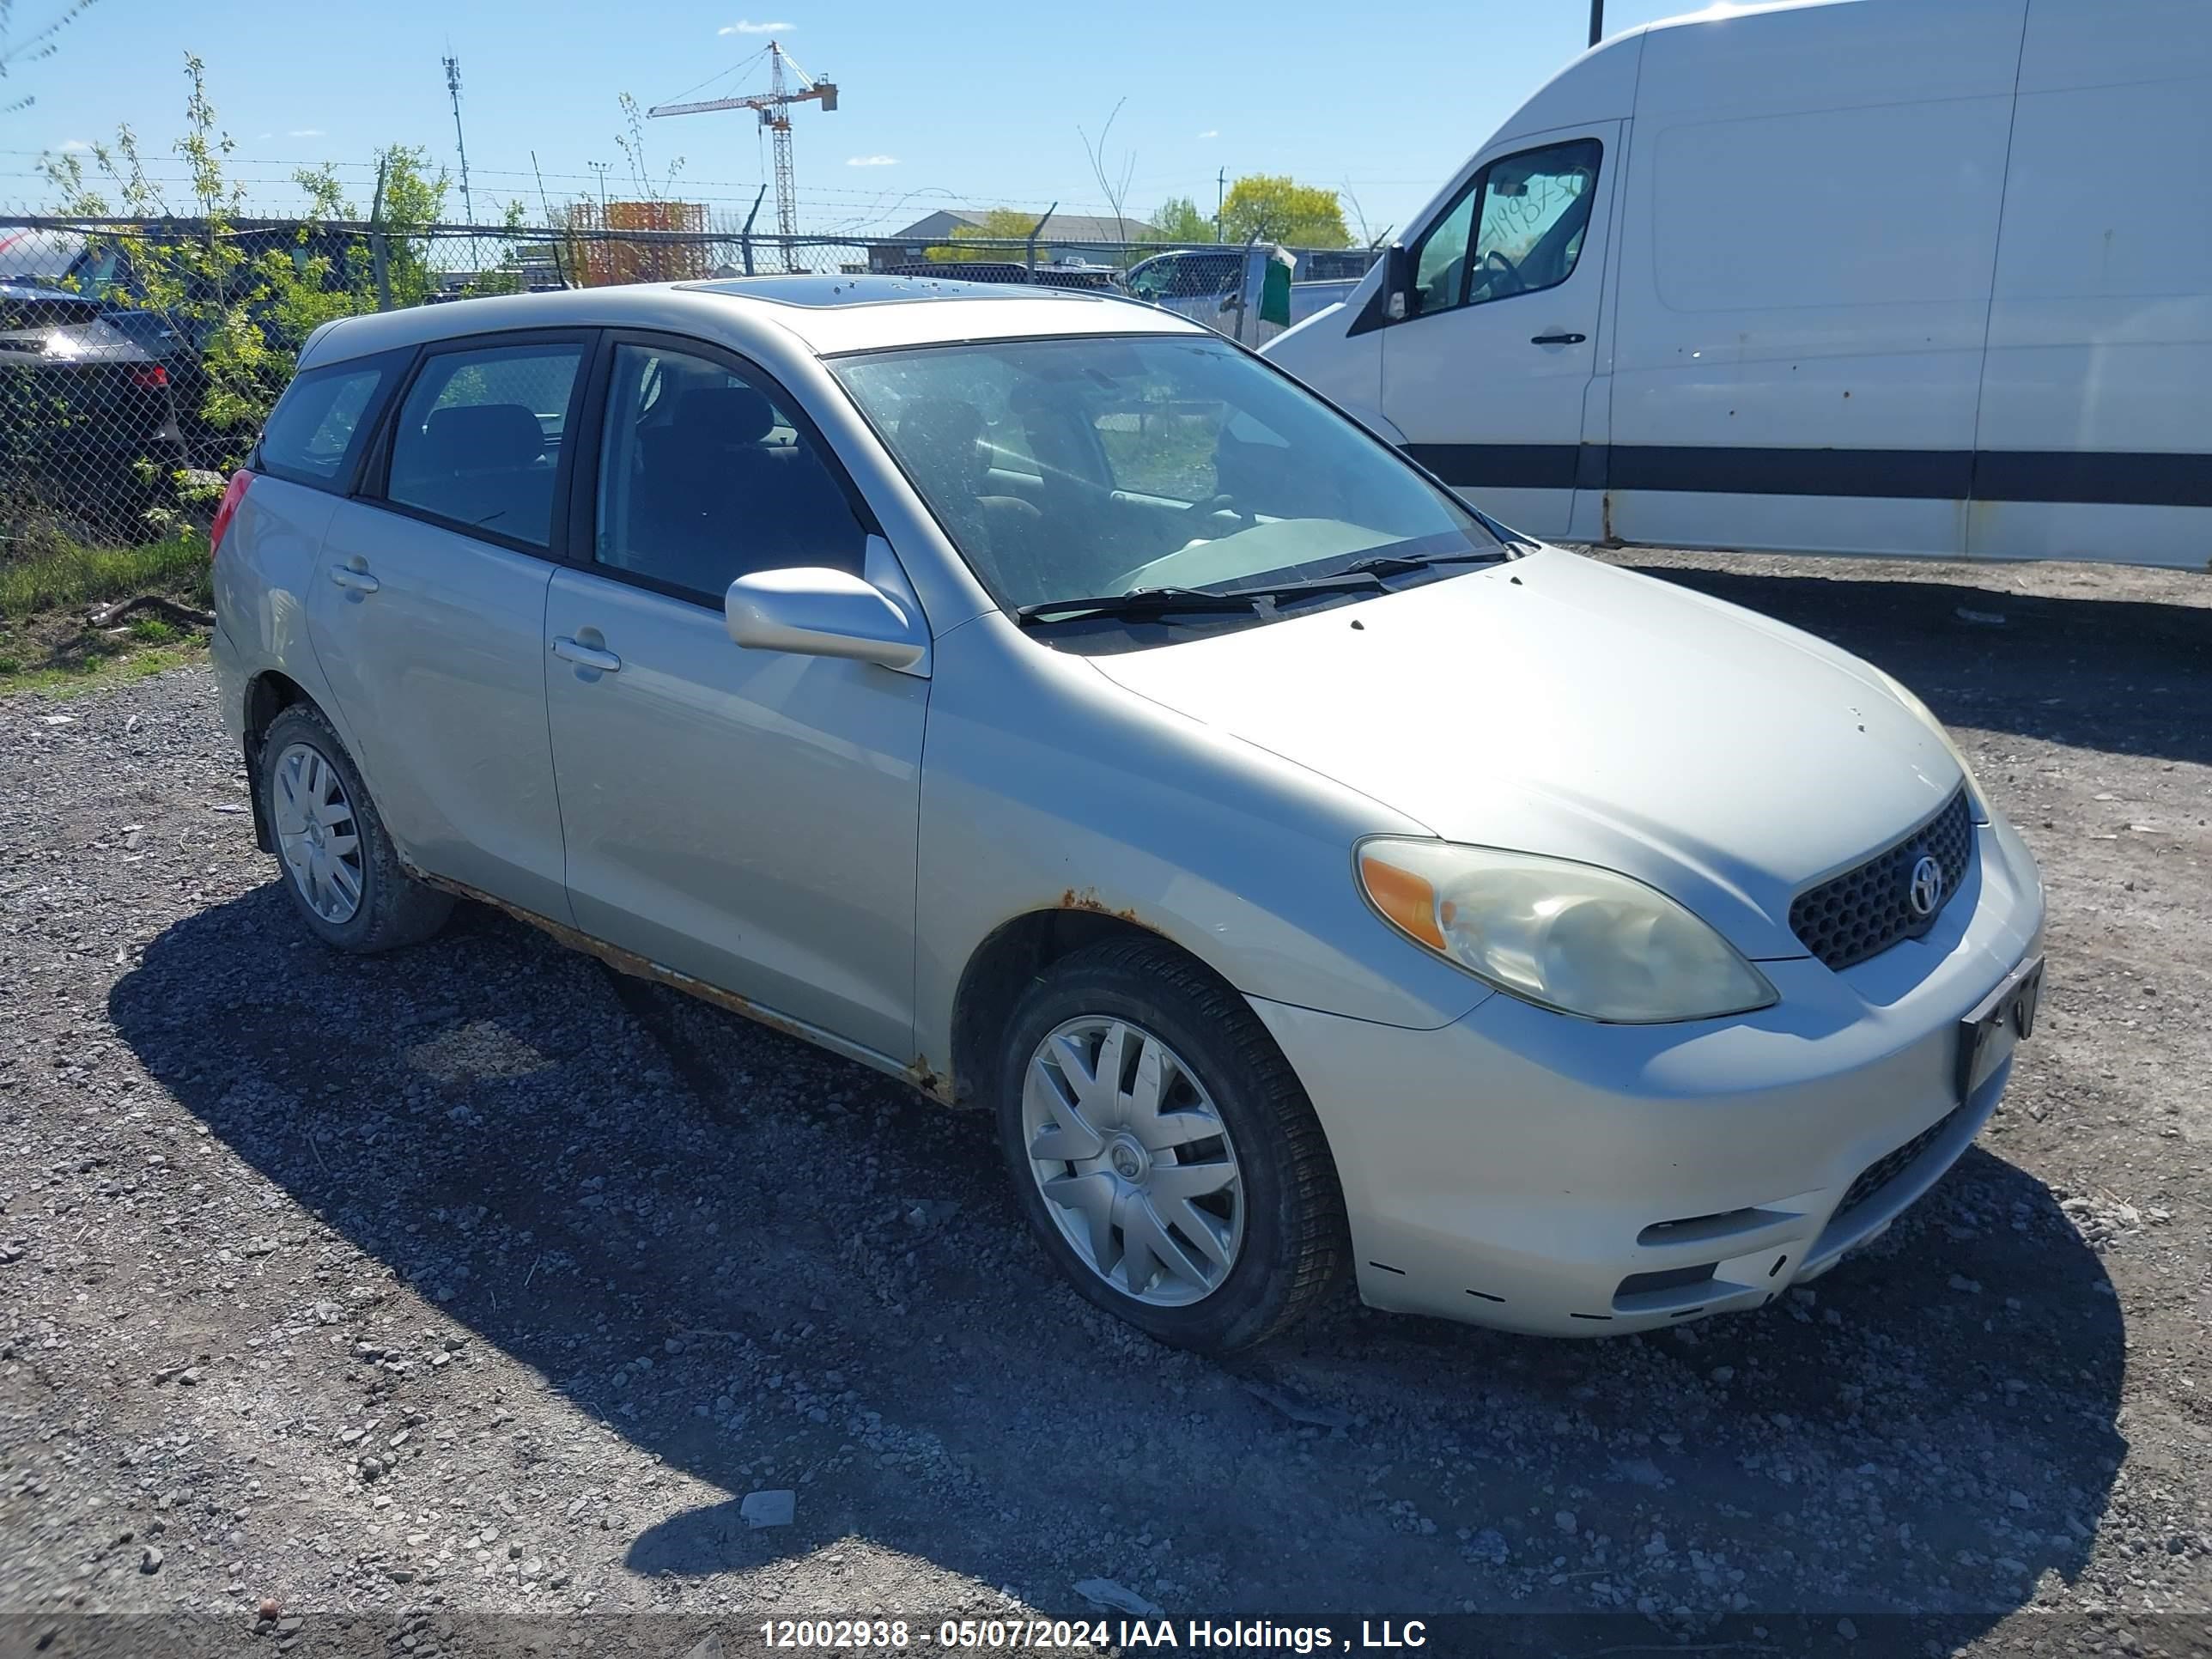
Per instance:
(479,434)
(703,479)
(318,425)
(1518,228)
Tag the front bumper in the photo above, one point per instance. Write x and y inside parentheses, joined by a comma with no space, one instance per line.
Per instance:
(1550,1175)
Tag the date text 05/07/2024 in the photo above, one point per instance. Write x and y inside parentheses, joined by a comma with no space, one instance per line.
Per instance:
(1000,1635)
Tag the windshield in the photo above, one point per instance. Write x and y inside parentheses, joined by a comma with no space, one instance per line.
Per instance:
(1074,467)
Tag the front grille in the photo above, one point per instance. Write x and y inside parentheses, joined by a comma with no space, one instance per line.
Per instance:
(1864,911)
(1890,1165)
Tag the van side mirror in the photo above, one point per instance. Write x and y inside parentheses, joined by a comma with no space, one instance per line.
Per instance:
(820,612)
(1397,280)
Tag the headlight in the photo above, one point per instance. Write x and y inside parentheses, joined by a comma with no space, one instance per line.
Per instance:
(1896,687)
(1570,937)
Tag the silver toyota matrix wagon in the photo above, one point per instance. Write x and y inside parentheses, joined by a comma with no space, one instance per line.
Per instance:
(1040,699)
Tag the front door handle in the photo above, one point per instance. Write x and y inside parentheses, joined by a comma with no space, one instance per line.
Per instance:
(587,656)
(1557,339)
(354,579)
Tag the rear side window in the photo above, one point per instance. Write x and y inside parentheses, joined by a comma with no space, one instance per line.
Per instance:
(478,438)
(318,426)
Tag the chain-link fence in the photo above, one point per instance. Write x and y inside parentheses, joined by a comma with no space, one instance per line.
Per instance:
(138,358)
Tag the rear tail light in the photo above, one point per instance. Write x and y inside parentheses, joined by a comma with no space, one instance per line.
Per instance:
(151,378)
(232,495)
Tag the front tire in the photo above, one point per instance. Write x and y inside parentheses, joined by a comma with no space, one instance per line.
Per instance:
(340,867)
(1165,1151)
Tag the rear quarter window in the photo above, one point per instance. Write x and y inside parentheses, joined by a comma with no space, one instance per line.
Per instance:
(316,432)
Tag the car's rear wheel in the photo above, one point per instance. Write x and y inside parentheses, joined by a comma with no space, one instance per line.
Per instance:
(340,867)
(1165,1151)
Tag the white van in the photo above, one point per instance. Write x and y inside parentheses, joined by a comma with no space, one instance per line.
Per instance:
(1925,277)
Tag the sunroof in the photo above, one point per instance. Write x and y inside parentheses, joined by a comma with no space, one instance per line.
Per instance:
(818,292)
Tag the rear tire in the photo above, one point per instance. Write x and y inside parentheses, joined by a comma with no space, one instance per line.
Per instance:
(1165,1151)
(341,870)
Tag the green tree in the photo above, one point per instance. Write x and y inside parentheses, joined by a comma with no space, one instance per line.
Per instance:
(245,298)
(1178,220)
(1276,208)
(1003,233)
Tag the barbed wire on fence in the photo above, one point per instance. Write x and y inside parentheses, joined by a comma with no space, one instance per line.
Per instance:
(139,356)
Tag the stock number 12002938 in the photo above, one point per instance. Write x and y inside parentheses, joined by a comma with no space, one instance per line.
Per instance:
(987,1633)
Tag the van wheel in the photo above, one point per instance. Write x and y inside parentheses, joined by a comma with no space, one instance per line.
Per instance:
(1165,1151)
(340,867)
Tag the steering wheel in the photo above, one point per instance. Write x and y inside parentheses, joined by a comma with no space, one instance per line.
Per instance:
(1214,505)
(1508,277)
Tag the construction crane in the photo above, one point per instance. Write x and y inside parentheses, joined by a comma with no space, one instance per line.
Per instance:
(775,107)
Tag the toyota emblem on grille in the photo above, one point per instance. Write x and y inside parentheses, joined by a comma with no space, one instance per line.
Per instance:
(1926,891)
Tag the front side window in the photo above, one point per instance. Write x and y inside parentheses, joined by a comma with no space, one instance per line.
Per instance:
(478,438)
(1517,229)
(1080,467)
(703,479)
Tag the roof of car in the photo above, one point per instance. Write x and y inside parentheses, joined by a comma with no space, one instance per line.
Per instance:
(825,314)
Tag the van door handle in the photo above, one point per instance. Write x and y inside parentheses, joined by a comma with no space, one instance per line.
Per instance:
(353,578)
(1558,339)
(587,656)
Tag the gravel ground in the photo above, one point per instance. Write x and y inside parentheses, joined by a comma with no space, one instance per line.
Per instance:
(476,1279)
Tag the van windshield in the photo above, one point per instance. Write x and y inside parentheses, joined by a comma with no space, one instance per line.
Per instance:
(1069,468)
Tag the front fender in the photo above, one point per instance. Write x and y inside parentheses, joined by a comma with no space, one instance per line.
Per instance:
(1045,787)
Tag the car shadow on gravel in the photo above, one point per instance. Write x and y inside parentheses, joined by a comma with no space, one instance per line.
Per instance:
(767,1267)
(2130,676)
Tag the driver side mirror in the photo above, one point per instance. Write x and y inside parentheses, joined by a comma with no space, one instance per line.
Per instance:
(819,612)
(1397,281)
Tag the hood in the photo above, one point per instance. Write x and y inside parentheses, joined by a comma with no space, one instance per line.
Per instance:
(1556,705)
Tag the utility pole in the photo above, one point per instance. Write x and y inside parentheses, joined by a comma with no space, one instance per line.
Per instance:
(600,167)
(454,88)
(1597,22)
(1221,184)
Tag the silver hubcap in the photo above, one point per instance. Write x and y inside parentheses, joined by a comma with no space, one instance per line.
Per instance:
(1134,1161)
(316,832)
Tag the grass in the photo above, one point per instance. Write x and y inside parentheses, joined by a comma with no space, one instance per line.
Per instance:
(49,581)
(45,571)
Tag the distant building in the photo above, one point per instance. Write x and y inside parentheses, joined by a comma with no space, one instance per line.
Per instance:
(1067,237)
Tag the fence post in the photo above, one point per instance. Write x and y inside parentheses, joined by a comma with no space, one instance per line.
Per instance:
(1244,286)
(1029,256)
(745,236)
(378,257)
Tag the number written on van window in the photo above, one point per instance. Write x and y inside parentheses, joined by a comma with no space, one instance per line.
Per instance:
(703,479)
(479,434)
(1517,229)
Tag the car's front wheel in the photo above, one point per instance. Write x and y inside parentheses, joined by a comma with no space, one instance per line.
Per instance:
(340,867)
(1165,1151)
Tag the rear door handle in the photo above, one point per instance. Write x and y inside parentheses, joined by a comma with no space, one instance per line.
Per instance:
(587,656)
(354,578)
(1558,339)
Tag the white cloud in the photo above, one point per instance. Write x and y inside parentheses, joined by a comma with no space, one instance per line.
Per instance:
(746,26)
(871,160)
(1211,132)
(70,145)
(304,133)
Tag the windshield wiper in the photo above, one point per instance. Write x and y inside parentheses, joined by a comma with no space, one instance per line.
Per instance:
(1145,601)
(1507,534)
(1137,602)
(1401,564)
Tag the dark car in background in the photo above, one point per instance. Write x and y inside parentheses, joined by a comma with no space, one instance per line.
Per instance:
(83,408)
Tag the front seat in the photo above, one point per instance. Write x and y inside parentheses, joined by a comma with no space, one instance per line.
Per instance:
(941,439)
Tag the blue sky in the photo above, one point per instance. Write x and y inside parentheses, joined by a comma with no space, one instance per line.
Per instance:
(977,103)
